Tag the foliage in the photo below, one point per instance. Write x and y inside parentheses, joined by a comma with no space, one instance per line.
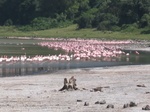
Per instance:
(129,27)
(145,20)
(8,22)
(106,21)
(42,23)
(100,14)
(86,19)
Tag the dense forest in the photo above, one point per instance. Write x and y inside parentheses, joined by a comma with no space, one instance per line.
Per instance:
(100,14)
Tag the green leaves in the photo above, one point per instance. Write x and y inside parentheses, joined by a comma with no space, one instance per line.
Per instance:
(145,20)
(100,14)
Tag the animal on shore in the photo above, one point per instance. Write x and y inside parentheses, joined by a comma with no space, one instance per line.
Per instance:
(69,85)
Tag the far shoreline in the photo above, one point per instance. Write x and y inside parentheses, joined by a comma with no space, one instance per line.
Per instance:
(139,45)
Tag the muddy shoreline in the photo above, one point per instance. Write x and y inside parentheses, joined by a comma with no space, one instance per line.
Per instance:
(40,93)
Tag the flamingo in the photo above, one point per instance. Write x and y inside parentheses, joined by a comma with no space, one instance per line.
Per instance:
(136,52)
(81,49)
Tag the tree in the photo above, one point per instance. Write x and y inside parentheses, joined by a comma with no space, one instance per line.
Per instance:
(19,11)
(28,10)
(76,7)
(145,21)
(49,8)
(107,21)
(86,19)
(101,14)
(132,11)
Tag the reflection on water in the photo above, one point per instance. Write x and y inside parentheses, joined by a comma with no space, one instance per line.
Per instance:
(20,68)
(142,58)
(31,68)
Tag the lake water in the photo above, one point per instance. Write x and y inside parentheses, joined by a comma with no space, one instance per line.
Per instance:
(16,47)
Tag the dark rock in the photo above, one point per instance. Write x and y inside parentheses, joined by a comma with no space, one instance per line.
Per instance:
(132,104)
(106,87)
(97,102)
(110,106)
(147,107)
(141,85)
(84,88)
(126,105)
(86,104)
(102,102)
(79,100)
(98,89)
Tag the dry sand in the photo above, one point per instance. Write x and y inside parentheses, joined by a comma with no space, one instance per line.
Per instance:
(40,93)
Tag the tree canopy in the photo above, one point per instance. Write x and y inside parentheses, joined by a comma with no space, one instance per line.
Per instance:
(100,14)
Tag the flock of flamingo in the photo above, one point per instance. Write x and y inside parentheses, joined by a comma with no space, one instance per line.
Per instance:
(76,49)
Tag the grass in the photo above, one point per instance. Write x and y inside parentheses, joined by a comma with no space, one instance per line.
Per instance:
(72,32)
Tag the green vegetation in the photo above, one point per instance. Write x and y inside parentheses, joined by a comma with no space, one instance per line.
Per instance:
(72,32)
(75,18)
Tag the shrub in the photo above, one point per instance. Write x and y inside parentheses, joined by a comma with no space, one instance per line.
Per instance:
(106,21)
(104,25)
(85,21)
(145,21)
(42,23)
(8,22)
(129,27)
(86,18)
(107,25)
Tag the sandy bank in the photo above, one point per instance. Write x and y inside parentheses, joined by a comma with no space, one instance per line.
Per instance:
(40,93)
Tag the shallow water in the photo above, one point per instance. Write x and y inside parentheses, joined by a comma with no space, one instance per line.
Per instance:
(16,47)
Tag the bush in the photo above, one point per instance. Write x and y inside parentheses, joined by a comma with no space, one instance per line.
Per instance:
(86,18)
(42,23)
(115,28)
(85,21)
(8,22)
(145,21)
(106,21)
(61,17)
(107,25)
(104,25)
(129,27)
(25,28)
